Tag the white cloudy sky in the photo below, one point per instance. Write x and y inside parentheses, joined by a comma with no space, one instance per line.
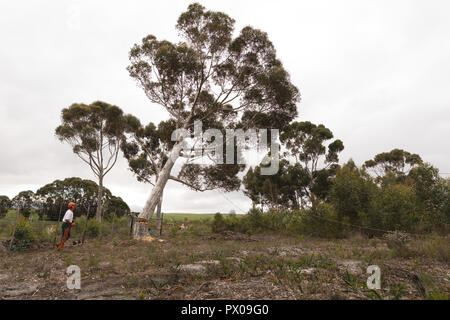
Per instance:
(377,73)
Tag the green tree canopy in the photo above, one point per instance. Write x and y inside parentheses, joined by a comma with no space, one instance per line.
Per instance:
(213,77)
(95,132)
(24,202)
(352,192)
(309,146)
(117,207)
(305,172)
(274,191)
(5,205)
(393,166)
(55,196)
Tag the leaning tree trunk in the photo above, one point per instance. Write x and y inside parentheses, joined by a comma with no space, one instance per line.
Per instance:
(159,217)
(140,228)
(98,214)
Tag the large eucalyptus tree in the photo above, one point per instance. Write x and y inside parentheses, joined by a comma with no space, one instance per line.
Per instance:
(211,76)
(95,132)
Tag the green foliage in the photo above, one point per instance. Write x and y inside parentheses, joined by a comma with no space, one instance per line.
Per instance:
(116,207)
(216,78)
(433,295)
(24,201)
(174,231)
(351,192)
(299,182)
(23,235)
(218,224)
(55,196)
(393,208)
(437,248)
(95,133)
(319,223)
(393,166)
(5,205)
(276,190)
(324,222)
(432,195)
(93,228)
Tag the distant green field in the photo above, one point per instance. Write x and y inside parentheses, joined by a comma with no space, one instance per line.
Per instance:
(187,216)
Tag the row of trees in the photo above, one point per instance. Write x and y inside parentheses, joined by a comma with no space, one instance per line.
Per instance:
(50,201)
(394,191)
(308,164)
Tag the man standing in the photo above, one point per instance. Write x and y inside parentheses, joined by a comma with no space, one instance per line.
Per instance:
(67,225)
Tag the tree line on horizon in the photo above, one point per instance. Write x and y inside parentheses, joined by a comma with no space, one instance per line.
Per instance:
(50,201)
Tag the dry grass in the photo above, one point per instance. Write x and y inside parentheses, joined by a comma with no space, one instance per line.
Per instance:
(267,266)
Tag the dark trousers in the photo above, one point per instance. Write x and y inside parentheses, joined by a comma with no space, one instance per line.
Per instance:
(64,226)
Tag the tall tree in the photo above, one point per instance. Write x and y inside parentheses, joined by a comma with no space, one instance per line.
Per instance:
(352,191)
(393,166)
(281,189)
(95,132)
(214,78)
(5,205)
(146,151)
(116,207)
(24,202)
(309,146)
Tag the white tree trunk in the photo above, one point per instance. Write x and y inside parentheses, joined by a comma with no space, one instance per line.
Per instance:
(99,199)
(140,229)
(158,217)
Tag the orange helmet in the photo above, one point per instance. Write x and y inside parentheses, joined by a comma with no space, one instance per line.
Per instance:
(72,205)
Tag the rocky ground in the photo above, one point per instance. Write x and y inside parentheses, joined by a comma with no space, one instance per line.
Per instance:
(230,266)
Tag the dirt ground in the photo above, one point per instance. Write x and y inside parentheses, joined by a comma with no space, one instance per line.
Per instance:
(228,266)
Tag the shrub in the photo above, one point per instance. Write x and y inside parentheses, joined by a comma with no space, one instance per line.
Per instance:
(324,222)
(174,231)
(219,224)
(351,192)
(397,241)
(93,228)
(393,209)
(199,230)
(437,248)
(23,236)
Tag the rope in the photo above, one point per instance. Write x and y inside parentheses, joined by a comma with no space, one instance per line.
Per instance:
(232,203)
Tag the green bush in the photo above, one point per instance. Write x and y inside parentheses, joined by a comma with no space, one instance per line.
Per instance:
(393,208)
(324,221)
(352,192)
(219,224)
(320,222)
(199,230)
(23,236)
(93,228)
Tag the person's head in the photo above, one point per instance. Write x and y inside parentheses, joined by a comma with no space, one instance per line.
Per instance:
(72,206)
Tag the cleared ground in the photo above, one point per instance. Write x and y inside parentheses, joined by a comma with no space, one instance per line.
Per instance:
(195,264)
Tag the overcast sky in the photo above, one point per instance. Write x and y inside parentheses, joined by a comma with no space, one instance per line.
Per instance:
(377,73)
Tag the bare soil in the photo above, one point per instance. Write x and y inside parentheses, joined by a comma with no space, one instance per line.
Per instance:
(225,266)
